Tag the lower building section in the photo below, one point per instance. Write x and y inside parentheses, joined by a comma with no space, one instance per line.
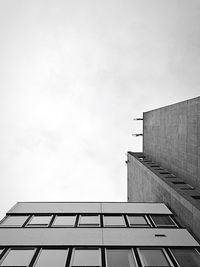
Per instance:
(95,235)
(100,256)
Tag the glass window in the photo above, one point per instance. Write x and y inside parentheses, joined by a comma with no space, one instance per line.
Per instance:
(89,221)
(52,258)
(153,257)
(38,221)
(163,220)
(64,221)
(186,257)
(14,221)
(114,221)
(18,257)
(86,257)
(138,221)
(120,258)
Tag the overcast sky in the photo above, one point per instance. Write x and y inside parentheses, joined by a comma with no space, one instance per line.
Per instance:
(73,75)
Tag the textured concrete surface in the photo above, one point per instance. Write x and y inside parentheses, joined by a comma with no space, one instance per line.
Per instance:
(146,183)
(171,137)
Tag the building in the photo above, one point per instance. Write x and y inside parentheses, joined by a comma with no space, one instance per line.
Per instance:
(168,170)
(95,234)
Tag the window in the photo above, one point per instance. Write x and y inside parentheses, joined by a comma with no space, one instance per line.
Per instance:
(39,221)
(163,221)
(52,258)
(86,257)
(154,257)
(14,221)
(18,257)
(196,197)
(89,221)
(66,221)
(154,166)
(114,221)
(138,221)
(178,182)
(186,257)
(120,258)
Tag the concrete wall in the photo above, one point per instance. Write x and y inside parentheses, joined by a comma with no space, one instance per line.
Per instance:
(148,184)
(171,137)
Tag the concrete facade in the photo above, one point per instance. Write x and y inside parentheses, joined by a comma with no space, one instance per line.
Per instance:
(147,181)
(171,137)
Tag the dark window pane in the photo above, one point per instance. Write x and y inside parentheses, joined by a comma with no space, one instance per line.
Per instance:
(120,258)
(40,221)
(14,221)
(138,221)
(114,221)
(163,220)
(86,257)
(153,257)
(64,221)
(18,257)
(52,258)
(89,220)
(187,257)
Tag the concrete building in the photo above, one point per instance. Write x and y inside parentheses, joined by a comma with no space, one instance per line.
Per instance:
(171,137)
(168,170)
(95,234)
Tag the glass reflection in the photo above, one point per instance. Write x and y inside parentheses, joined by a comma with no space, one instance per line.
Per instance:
(52,258)
(120,258)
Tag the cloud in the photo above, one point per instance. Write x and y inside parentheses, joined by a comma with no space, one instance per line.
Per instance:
(74,75)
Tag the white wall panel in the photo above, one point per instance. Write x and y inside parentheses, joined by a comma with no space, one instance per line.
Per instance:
(135,208)
(95,236)
(89,207)
(56,207)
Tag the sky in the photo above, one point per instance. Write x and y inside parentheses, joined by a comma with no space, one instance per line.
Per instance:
(73,75)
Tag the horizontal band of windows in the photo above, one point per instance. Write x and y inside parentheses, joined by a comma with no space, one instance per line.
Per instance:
(97,220)
(102,257)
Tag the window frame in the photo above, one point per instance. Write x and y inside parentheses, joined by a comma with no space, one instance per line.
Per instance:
(174,258)
(115,226)
(86,248)
(175,225)
(89,225)
(28,225)
(63,226)
(51,248)
(149,224)
(121,248)
(14,226)
(154,248)
(4,256)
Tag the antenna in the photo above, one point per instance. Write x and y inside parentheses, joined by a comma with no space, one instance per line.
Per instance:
(138,119)
(136,135)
